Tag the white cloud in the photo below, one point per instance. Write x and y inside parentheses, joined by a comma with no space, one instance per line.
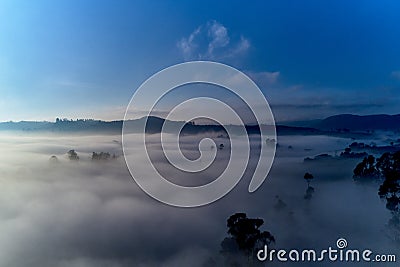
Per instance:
(212,41)
(187,45)
(243,45)
(218,35)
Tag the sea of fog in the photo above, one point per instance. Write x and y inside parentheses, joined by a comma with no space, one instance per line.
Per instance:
(92,213)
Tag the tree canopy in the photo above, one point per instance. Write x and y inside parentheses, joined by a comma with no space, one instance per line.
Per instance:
(72,155)
(388,167)
(245,235)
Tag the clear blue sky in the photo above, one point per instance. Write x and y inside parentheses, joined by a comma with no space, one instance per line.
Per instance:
(85,58)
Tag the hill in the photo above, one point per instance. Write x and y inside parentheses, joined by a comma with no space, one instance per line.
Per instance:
(154,125)
(360,123)
(340,125)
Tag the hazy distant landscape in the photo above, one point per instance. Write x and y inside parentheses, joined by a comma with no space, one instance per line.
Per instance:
(338,124)
(64,209)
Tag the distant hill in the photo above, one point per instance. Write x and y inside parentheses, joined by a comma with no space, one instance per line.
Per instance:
(63,126)
(359,123)
(154,125)
(340,125)
(24,125)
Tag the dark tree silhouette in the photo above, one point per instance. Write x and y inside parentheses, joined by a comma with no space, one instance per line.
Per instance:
(310,190)
(72,155)
(367,168)
(387,167)
(347,153)
(101,156)
(308,177)
(245,236)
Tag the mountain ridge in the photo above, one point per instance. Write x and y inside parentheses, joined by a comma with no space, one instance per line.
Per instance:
(336,123)
(353,122)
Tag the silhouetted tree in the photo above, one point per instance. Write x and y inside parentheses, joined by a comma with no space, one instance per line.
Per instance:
(389,166)
(72,155)
(308,177)
(245,235)
(347,153)
(101,156)
(366,169)
(310,190)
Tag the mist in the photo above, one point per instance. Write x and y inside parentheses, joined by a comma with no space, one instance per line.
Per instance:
(89,213)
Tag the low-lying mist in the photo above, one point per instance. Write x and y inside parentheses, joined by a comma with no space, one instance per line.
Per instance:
(91,213)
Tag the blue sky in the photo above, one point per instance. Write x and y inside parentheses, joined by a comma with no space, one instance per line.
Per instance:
(84,59)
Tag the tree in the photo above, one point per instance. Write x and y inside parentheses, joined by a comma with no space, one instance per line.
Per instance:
(388,167)
(310,190)
(101,156)
(245,235)
(389,164)
(308,177)
(367,168)
(72,155)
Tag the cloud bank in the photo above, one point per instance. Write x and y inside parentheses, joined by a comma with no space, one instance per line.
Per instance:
(92,214)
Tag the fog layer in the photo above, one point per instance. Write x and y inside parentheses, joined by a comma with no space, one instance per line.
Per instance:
(92,213)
